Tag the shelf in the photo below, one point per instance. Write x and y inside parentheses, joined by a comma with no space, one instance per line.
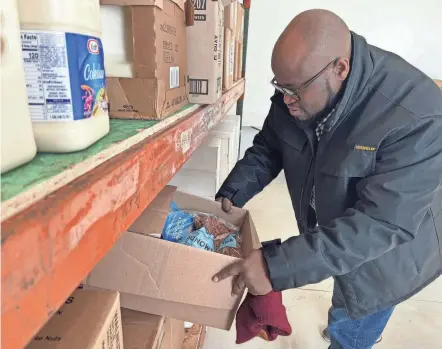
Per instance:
(62,213)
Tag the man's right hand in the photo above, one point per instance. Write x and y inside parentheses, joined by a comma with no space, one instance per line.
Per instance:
(226,204)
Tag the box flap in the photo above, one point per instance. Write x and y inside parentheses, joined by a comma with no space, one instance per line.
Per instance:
(142,330)
(194,203)
(151,221)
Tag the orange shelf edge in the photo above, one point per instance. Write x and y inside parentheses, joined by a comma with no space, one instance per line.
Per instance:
(49,247)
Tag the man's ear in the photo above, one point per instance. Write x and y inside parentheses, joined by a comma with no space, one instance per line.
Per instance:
(342,68)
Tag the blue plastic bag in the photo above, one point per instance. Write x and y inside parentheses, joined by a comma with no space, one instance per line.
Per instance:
(229,241)
(179,224)
(200,239)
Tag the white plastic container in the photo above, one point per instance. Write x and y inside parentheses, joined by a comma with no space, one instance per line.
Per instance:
(64,65)
(17,140)
(117,41)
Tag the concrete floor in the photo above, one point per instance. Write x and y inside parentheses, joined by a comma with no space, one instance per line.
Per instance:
(416,324)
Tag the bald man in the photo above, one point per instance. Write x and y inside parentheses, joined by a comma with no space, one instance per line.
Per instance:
(358,133)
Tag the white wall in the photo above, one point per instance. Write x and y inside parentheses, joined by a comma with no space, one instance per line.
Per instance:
(410,28)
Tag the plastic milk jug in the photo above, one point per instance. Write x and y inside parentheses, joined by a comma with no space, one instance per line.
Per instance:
(17,140)
(64,66)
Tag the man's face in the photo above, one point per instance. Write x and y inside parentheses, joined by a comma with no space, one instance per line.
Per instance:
(316,99)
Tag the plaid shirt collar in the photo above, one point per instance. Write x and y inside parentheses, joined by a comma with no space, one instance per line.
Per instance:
(323,125)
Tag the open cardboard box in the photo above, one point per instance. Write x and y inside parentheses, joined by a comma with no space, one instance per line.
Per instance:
(170,279)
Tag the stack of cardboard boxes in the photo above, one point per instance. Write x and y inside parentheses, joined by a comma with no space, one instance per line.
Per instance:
(233,43)
(93,319)
(208,167)
(155,65)
(239,39)
(146,275)
(146,63)
(170,279)
(205,47)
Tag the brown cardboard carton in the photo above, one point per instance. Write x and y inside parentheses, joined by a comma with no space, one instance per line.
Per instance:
(159,55)
(174,334)
(438,83)
(227,2)
(170,279)
(142,330)
(194,337)
(237,70)
(230,16)
(240,60)
(139,2)
(229,58)
(205,52)
(89,319)
(239,22)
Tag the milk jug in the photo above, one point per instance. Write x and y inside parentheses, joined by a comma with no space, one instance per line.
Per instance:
(17,140)
(64,66)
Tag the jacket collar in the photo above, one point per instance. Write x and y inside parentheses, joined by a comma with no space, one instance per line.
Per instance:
(361,68)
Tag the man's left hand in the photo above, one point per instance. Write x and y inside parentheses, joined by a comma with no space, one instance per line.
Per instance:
(250,272)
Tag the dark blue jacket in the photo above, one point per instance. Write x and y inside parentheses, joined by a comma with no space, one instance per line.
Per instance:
(377,173)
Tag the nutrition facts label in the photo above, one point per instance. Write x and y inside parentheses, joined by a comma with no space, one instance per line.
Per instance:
(47,75)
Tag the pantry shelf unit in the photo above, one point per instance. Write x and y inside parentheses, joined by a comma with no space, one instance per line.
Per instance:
(62,213)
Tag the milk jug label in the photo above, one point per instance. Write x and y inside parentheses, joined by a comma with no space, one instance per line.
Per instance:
(65,76)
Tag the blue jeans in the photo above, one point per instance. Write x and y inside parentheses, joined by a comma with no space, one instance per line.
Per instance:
(346,333)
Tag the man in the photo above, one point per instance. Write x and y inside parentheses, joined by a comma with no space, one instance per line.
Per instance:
(358,133)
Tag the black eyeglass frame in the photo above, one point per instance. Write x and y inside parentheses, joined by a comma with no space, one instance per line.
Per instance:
(292,91)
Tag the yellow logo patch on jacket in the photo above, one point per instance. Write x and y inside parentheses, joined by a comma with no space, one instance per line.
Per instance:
(364,147)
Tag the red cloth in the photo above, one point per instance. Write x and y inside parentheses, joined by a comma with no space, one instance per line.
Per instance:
(262,316)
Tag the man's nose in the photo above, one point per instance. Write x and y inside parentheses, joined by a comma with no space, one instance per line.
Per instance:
(290,100)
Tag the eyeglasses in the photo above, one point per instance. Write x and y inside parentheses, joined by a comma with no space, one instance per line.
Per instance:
(292,91)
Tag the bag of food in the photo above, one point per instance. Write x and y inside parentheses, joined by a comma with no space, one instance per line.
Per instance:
(200,239)
(178,224)
(202,230)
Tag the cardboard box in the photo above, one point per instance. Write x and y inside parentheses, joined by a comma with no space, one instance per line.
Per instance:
(174,334)
(438,83)
(230,16)
(170,279)
(142,330)
(240,59)
(158,57)
(239,35)
(205,52)
(237,71)
(138,2)
(194,337)
(229,58)
(89,319)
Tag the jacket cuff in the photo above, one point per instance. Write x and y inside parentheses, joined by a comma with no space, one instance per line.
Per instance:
(237,198)
(277,265)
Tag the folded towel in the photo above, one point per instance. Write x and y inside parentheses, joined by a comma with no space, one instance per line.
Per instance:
(262,316)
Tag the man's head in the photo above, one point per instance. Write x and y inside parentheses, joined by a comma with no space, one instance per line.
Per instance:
(316,44)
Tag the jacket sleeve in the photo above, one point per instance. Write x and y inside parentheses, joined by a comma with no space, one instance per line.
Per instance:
(392,203)
(261,164)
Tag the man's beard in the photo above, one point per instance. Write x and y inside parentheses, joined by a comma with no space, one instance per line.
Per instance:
(312,119)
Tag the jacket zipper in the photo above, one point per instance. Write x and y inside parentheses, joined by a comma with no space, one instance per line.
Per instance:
(304,221)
